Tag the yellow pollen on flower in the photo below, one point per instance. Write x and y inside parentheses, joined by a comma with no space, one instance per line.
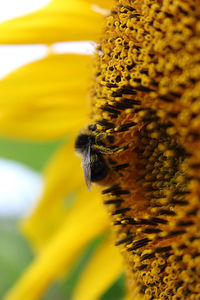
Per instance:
(146,102)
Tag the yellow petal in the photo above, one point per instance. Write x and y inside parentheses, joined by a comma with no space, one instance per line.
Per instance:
(63,180)
(84,223)
(101,272)
(61,20)
(46,99)
(101,3)
(128,297)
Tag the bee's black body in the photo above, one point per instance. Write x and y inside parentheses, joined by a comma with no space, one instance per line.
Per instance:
(94,165)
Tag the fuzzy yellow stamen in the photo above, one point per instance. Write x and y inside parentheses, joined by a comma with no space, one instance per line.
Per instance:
(146,100)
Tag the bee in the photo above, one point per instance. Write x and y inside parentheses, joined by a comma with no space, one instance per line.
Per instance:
(94,166)
(89,144)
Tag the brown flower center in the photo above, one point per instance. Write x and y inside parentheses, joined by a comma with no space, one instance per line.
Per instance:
(146,128)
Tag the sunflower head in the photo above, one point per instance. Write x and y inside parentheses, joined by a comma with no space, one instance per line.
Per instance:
(145,123)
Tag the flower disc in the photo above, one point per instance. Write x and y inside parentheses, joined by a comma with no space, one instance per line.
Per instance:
(146,125)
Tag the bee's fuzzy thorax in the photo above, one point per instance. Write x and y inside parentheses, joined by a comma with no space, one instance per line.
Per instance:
(147,95)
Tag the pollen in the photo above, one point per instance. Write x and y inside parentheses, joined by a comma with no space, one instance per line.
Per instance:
(146,105)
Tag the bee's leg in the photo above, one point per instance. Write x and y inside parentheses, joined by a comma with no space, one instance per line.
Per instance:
(109,150)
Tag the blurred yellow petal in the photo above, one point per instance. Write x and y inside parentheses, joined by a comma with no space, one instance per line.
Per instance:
(101,272)
(60,184)
(128,297)
(83,224)
(47,98)
(51,79)
(101,3)
(37,128)
(60,20)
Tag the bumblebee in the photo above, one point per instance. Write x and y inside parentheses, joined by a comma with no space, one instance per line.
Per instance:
(94,165)
(90,144)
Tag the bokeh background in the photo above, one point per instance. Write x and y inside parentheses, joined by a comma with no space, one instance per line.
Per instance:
(21,165)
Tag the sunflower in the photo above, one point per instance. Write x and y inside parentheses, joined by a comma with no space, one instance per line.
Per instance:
(142,134)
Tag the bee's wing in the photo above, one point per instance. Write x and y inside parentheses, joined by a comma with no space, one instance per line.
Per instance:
(86,163)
